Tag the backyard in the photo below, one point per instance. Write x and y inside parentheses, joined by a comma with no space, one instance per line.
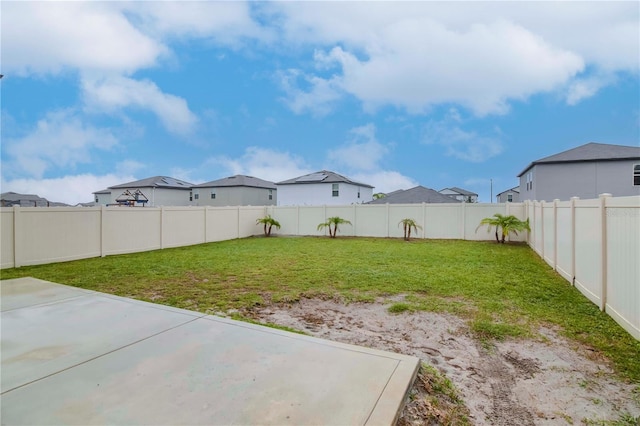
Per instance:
(503,338)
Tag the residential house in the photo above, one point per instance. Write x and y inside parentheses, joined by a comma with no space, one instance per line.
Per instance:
(418,194)
(509,196)
(322,188)
(151,192)
(585,171)
(460,194)
(238,190)
(10,199)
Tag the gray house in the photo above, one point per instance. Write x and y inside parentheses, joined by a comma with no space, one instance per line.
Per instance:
(150,192)
(10,199)
(238,190)
(460,194)
(416,195)
(586,172)
(509,196)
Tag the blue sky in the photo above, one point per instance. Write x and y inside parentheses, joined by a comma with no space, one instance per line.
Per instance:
(392,94)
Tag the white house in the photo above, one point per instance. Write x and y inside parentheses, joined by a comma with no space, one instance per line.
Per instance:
(150,192)
(460,194)
(585,171)
(238,190)
(322,188)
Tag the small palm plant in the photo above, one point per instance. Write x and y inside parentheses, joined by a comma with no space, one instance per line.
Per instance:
(268,223)
(332,223)
(407,224)
(505,225)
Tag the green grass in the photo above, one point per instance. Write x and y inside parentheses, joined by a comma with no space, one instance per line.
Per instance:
(501,290)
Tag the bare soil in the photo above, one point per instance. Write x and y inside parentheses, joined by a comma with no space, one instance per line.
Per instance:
(547,381)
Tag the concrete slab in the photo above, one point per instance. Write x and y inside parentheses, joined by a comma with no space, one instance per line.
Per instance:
(97,359)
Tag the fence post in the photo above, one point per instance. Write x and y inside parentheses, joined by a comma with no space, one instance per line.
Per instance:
(464,221)
(162,227)
(573,240)
(603,249)
(16,238)
(102,230)
(205,208)
(355,221)
(297,220)
(387,204)
(542,229)
(555,234)
(424,220)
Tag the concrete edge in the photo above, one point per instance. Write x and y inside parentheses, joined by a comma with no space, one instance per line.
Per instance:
(394,397)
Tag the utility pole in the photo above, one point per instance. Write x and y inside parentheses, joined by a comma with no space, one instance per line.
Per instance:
(491,180)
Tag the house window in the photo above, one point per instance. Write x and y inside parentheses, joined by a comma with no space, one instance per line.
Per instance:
(271,194)
(190,196)
(196,196)
(529,181)
(509,198)
(213,195)
(358,192)
(636,174)
(335,189)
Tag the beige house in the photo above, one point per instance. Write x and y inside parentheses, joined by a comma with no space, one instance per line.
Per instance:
(509,196)
(238,190)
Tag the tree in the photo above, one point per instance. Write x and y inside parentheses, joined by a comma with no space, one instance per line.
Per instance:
(407,224)
(268,223)
(379,195)
(505,225)
(332,223)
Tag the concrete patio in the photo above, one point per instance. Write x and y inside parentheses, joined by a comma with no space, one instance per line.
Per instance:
(72,356)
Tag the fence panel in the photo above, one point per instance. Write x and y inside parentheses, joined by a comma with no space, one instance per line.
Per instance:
(56,234)
(7,255)
(372,220)
(222,223)
(287,216)
(131,230)
(397,212)
(588,241)
(564,245)
(549,233)
(623,267)
(247,217)
(183,226)
(443,221)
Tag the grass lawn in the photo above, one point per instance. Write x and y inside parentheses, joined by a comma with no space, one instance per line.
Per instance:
(501,290)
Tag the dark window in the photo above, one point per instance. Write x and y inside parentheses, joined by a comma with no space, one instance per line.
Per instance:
(271,194)
(213,195)
(335,190)
(636,174)
(510,198)
(191,196)
(196,196)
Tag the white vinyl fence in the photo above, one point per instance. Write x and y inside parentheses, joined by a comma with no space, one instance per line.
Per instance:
(37,235)
(595,245)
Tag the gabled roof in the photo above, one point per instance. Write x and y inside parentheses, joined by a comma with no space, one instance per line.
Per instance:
(104,191)
(590,152)
(323,176)
(459,191)
(14,196)
(156,182)
(418,194)
(514,189)
(238,180)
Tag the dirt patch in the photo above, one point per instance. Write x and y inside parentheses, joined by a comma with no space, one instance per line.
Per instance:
(516,382)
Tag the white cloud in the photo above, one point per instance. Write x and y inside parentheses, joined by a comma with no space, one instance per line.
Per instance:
(584,88)
(49,37)
(114,93)
(362,152)
(459,143)
(263,163)
(318,98)
(478,55)
(60,140)
(70,189)
(384,180)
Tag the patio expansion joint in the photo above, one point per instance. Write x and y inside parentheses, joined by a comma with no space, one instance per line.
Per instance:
(101,355)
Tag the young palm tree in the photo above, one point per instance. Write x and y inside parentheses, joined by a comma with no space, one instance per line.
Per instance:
(504,224)
(268,223)
(332,223)
(407,224)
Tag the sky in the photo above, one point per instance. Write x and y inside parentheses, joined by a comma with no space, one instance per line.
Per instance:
(392,94)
